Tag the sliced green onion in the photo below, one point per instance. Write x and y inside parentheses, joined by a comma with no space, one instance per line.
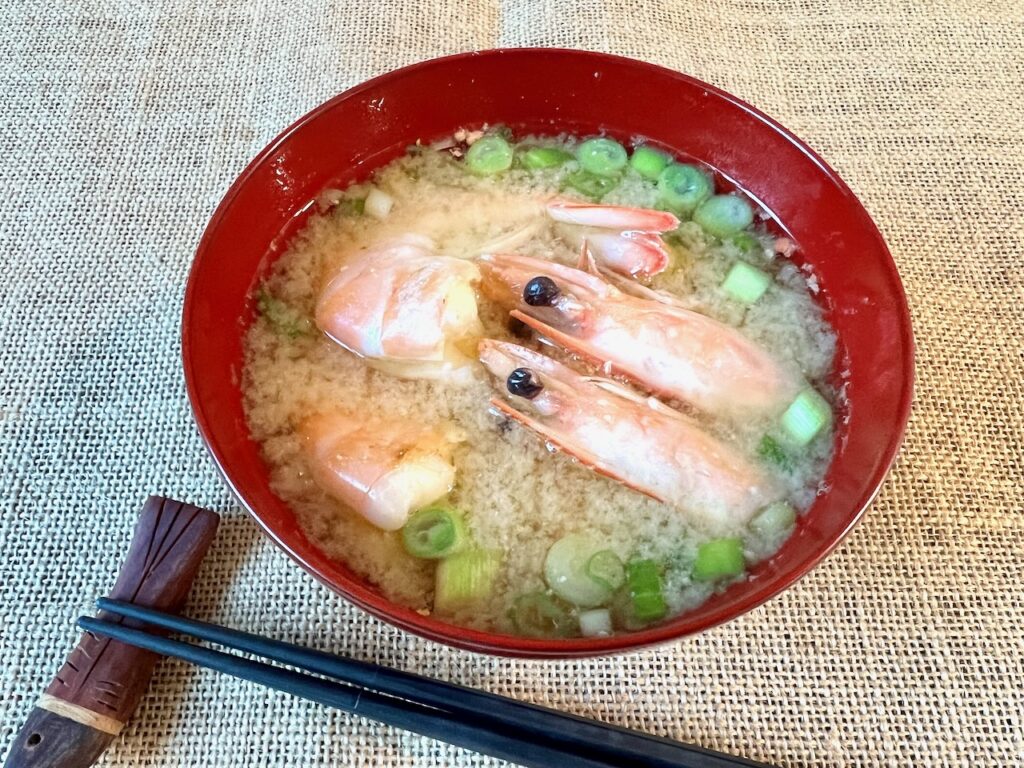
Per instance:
(565,570)
(643,576)
(589,185)
(283,318)
(434,532)
(682,187)
(723,215)
(606,569)
(489,155)
(746,243)
(718,558)
(465,578)
(643,581)
(806,417)
(596,623)
(770,450)
(746,283)
(352,206)
(537,614)
(603,157)
(539,158)
(649,162)
(773,520)
(649,606)
(378,203)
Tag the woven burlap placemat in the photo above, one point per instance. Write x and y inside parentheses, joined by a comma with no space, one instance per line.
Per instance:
(124,122)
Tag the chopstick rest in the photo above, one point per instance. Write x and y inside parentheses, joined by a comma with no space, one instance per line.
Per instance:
(100,685)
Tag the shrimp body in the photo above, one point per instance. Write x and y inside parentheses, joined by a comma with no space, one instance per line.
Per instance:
(638,441)
(384,470)
(675,352)
(403,307)
(625,240)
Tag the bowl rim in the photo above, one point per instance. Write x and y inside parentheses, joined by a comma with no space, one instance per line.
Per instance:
(514,645)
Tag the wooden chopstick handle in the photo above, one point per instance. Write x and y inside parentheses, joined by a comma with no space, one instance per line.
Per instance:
(101,683)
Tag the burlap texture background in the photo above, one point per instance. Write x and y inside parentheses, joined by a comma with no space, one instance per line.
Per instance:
(122,125)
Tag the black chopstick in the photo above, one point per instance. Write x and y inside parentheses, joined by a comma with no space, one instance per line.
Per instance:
(531,721)
(538,724)
(411,716)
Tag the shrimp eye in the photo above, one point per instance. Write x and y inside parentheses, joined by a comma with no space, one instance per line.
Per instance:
(521,382)
(540,292)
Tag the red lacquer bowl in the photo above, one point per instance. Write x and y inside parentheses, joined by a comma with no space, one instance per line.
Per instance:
(551,91)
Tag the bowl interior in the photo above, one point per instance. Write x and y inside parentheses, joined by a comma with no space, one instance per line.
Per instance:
(551,91)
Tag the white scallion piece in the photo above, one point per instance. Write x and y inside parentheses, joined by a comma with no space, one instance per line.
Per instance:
(378,204)
(596,623)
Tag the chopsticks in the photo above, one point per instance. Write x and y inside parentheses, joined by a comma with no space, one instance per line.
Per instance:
(393,711)
(522,733)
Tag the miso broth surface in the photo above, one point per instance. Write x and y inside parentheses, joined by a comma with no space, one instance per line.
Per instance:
(518,496)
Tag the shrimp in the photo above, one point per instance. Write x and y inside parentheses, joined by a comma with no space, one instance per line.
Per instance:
(623,239)
(638,441)
(382,469)
(404,309)
(669,350)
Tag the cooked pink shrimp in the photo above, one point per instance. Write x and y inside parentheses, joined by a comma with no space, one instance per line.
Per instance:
(675,352)
(618,217)
(623,239)
(384,470)
(638,441)
(403,308)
